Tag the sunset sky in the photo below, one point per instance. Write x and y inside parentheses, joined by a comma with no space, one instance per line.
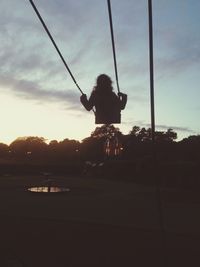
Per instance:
(38,96)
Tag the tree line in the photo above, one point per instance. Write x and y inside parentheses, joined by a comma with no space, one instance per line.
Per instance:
(136,144)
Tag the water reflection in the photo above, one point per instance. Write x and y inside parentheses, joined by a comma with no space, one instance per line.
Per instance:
(48,189)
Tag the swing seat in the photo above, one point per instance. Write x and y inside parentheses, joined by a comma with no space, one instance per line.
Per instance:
(114,117)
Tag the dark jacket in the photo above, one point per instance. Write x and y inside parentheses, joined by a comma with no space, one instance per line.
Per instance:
(107,106)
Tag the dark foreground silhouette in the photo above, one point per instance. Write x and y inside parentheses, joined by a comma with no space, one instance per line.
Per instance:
(98,223)
(107,104)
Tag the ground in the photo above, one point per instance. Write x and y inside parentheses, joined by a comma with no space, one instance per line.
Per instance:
(98,223)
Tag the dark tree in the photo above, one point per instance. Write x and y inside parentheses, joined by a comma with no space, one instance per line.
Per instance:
(4,150)
(143,134)
(31,146)
(68,149)
(106,131)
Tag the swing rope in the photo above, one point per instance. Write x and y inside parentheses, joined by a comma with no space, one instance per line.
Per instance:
(113,43)
(56,47)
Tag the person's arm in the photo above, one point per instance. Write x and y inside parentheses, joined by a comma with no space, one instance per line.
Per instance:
(88,105)
(123,100)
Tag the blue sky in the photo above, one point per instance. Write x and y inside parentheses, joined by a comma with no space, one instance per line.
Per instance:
(38,96)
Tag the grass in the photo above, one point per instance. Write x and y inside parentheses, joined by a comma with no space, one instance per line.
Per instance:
(101,222)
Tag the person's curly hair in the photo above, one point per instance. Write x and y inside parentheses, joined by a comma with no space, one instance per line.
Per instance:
(103,83)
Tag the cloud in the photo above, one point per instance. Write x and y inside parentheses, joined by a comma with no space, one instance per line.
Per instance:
(30,65)
(31,90)
(27,50)
(81,31)
(166,127)
(176,44)
(175,128)
(162,127)
(178,62)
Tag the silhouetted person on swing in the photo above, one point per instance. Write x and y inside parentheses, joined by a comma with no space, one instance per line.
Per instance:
(107,104)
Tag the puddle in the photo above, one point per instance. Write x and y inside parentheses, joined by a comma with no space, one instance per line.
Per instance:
(48,189)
